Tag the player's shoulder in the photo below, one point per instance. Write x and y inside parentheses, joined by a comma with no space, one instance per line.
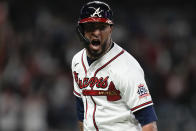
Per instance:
(131,61)
(127,63)
(127,60)
(77,57)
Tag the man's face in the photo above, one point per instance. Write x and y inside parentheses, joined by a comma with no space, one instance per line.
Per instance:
(99,35)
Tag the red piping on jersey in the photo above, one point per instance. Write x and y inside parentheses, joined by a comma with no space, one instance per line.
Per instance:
(149,102)
(108,62)
(92,88)
(86,108)
(94,115)
(83,64)
(76,93)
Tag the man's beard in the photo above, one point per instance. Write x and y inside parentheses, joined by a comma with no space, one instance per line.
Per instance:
(96,54)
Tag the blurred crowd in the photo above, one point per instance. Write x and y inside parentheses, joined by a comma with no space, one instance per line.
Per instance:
(36,49)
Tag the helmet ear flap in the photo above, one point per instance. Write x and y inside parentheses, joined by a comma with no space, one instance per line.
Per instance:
(80,33)
(81,28)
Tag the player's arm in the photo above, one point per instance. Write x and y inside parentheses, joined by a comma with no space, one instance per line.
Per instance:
(147,118)
(80,125)
(80,112)
(150,127)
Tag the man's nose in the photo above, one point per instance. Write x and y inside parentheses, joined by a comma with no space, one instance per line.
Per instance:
(96,32)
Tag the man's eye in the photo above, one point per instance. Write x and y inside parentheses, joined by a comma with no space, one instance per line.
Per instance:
(102,27)
(91,27)
(88,29)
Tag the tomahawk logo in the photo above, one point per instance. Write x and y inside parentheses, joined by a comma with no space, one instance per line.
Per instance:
(97,12)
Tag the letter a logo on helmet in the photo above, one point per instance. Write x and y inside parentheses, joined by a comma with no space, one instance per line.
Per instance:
(97,12)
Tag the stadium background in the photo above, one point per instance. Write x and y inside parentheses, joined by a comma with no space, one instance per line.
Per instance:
(38,41)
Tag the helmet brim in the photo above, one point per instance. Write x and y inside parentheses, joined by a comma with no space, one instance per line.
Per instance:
(95,19)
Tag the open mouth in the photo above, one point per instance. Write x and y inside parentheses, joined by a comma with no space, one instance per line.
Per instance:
(95,42)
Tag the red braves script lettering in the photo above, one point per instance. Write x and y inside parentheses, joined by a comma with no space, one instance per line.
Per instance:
(100,83)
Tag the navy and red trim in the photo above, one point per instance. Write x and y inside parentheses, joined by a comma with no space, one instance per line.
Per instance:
(144,104)
(96,19)
(76,93)
(146,115)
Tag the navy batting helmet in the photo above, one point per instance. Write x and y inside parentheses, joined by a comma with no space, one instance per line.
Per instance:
(94,11)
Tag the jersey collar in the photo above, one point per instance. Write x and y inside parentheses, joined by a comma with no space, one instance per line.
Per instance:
(101,61)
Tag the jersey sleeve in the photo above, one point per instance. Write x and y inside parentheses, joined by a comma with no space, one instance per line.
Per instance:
(76,90)
(80,109)
(135,92)
(146,115)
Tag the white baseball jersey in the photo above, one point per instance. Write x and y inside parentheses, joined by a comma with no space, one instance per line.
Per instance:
(112,89)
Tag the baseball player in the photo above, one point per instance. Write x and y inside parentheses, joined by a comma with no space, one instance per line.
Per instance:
(109,85)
